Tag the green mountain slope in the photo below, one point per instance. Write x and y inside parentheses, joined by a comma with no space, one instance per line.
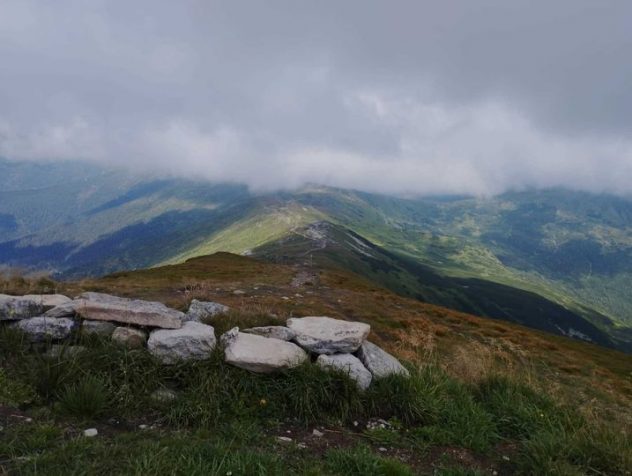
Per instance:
(573,249)
(325,245)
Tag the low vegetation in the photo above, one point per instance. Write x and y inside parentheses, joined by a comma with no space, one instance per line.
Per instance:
(483,395)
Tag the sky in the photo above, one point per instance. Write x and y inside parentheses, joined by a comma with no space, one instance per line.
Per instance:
(400,97)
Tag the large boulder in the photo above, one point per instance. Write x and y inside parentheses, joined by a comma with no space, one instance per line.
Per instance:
(274,332)
(379,362)
(260,354)
(18,307)
(103,307)
(41,329)
(129,337)
(348,364)
(204,310)
(193,341)
(324,335)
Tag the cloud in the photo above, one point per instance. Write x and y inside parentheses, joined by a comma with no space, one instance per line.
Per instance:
(402,97)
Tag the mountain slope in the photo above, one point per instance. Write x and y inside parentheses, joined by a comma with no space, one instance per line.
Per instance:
(324,245)
(570,248)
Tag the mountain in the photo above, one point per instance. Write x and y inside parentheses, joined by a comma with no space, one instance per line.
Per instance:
(556,259)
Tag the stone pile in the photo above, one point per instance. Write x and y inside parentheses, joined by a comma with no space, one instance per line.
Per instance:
(172,336)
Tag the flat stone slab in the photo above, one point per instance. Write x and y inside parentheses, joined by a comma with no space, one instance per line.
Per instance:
(48,300)
(103,307)
(348,364)
(129,337)
(42,329)
(18,307)
(274,332)
(260,354)
(67,309)
(204,310)
(324,335)
(193,341)
(379,362)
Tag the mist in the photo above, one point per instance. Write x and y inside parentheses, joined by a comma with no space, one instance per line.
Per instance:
(403,97)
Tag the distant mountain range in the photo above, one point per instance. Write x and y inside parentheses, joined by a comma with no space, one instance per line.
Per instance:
(556,260)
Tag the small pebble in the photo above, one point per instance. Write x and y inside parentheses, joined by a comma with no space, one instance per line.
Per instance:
(143,427)
(302,446)
(317,433)
(284,439)
(381,448)
(355,423)
(90,432)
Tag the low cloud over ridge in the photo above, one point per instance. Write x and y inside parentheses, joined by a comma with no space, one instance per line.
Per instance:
(395,97)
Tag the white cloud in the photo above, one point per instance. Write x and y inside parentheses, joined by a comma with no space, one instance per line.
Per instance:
(409,98)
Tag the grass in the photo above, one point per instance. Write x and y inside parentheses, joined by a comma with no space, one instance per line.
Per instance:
(87,398)
(479,388)
(429,409)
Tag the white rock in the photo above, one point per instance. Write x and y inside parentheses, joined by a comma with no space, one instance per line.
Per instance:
(129,337)
(64,310)
(103,307)
(41,329)
(204,310)
(317,434)
(193,341)
(379,362)
(260,354)
(17,307)
(48,301)
(274,332)
(348,364)
(90,432)
(324,335)
(98,328)
(284,439)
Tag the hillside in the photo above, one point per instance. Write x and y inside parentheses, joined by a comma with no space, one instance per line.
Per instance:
(489,396)
(572,251)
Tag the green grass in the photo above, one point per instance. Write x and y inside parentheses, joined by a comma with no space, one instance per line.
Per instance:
(221,418)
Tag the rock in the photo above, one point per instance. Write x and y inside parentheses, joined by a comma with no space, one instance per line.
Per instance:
(239,292)
(90,432)
(48,301)
(68,351)
(284,439)
(129,337)
(163,395)
(324,335)
(274,332)
(17,307)
(97,328)
(379,362)
(317,434)
(260,354)
(63,310)
(204,310)
(103,307)
(348,364)
(41,329)
(193,341)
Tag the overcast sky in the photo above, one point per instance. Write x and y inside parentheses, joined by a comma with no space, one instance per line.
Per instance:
(392,96)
